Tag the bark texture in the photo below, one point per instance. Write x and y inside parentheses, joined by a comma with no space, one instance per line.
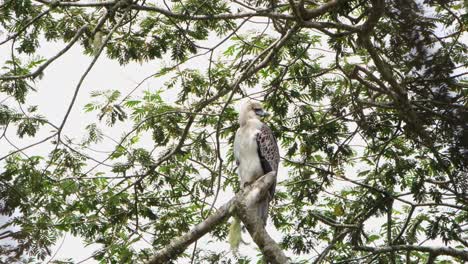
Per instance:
(267,245)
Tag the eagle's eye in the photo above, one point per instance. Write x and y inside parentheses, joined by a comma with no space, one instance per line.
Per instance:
(259,111)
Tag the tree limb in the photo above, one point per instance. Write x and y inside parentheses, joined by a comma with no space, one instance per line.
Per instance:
(30,22)
(179,244)
(460,254)
(339,237)
(270,249)
(308,14)
(41,68)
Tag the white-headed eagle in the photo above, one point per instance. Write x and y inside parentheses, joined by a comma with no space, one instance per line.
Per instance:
(256,153)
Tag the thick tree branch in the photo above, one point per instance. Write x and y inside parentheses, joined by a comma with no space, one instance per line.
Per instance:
(270,249)
(257,190)
(179,244)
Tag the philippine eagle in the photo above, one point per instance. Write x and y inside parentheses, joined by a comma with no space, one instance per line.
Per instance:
(256,153)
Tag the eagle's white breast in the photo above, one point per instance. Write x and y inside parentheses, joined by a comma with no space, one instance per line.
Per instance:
(246,152)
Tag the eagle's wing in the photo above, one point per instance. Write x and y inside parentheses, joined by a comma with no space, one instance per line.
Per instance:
(268,152)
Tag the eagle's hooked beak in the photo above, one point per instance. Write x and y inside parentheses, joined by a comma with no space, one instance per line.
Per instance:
(260,112)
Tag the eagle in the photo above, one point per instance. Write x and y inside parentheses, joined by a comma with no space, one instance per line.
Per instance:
(256,154)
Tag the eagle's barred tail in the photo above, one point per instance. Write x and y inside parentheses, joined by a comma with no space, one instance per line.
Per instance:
(235,235)
(262,210)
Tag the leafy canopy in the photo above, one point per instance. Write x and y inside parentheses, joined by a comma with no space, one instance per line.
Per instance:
(369,103)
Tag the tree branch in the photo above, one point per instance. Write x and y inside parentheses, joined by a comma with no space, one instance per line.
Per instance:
(339,237)
(308,14)
(179,244)
(257,13)
(41,68)
(447,251)
(79,4)
(270,249)
(30,22)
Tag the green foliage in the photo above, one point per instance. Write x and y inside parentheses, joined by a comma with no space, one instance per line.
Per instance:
(371,117)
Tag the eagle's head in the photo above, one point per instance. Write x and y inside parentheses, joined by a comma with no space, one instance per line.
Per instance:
(251,110)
